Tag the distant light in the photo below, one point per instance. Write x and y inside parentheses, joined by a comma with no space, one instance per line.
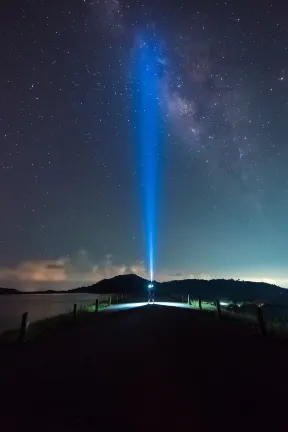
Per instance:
(150,286)
(223,303)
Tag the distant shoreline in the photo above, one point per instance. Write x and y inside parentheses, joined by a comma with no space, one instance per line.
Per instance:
(16,292)
(35,292)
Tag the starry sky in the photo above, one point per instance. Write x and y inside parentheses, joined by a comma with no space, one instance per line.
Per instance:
(70,183)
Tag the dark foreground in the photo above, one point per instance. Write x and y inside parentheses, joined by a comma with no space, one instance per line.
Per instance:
(151,368)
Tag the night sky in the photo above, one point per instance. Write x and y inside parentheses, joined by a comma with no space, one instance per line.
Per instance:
(70,167)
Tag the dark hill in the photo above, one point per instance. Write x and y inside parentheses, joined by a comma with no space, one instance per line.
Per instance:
(8,291)
(118,284)
(208,290)
(230,289)
(221,289)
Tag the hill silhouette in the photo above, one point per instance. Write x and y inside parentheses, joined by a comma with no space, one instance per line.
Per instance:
(116,285)
(206,289)
(8,291)
(222,289)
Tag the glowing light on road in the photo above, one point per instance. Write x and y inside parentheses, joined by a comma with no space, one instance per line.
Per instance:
(173,304)
(125,306)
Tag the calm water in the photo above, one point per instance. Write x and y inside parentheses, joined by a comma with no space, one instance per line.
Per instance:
(38,306)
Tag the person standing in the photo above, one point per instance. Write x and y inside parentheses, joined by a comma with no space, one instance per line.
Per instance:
(151,297)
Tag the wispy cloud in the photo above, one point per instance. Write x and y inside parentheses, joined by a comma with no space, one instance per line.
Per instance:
(80,269)
(76,270)
(70,271)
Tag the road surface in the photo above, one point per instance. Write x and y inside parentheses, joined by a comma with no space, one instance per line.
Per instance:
(148,368)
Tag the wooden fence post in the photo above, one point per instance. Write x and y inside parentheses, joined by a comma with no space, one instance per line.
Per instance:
(200,303)
(218,308)
(97,305)
(74,312)
(188,300)
(24,327)
(261,321)
(109,301)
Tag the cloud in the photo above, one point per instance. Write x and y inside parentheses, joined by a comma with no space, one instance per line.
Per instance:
(79,269)
(140,269)
(66,271)
(38,271)
(76,270)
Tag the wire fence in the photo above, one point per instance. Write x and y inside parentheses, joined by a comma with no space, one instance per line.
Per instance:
(31,330)
(271,319)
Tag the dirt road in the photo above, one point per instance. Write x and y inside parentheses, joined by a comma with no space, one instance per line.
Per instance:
(149,368)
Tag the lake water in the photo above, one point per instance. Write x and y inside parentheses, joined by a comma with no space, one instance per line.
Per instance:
(38,306)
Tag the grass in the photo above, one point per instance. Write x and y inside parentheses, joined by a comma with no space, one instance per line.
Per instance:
(276,324)
(46,326)
(208,306)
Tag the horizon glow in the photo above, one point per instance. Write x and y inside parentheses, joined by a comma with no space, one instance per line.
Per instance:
(148,78)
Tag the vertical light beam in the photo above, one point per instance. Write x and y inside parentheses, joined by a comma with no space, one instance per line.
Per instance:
(149,137)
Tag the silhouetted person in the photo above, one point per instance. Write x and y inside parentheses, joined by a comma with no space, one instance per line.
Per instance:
(151,296)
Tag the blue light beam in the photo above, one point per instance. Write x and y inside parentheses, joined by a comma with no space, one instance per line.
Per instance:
(148,79)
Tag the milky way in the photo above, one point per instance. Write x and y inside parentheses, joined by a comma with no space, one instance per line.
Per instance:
(70,168)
